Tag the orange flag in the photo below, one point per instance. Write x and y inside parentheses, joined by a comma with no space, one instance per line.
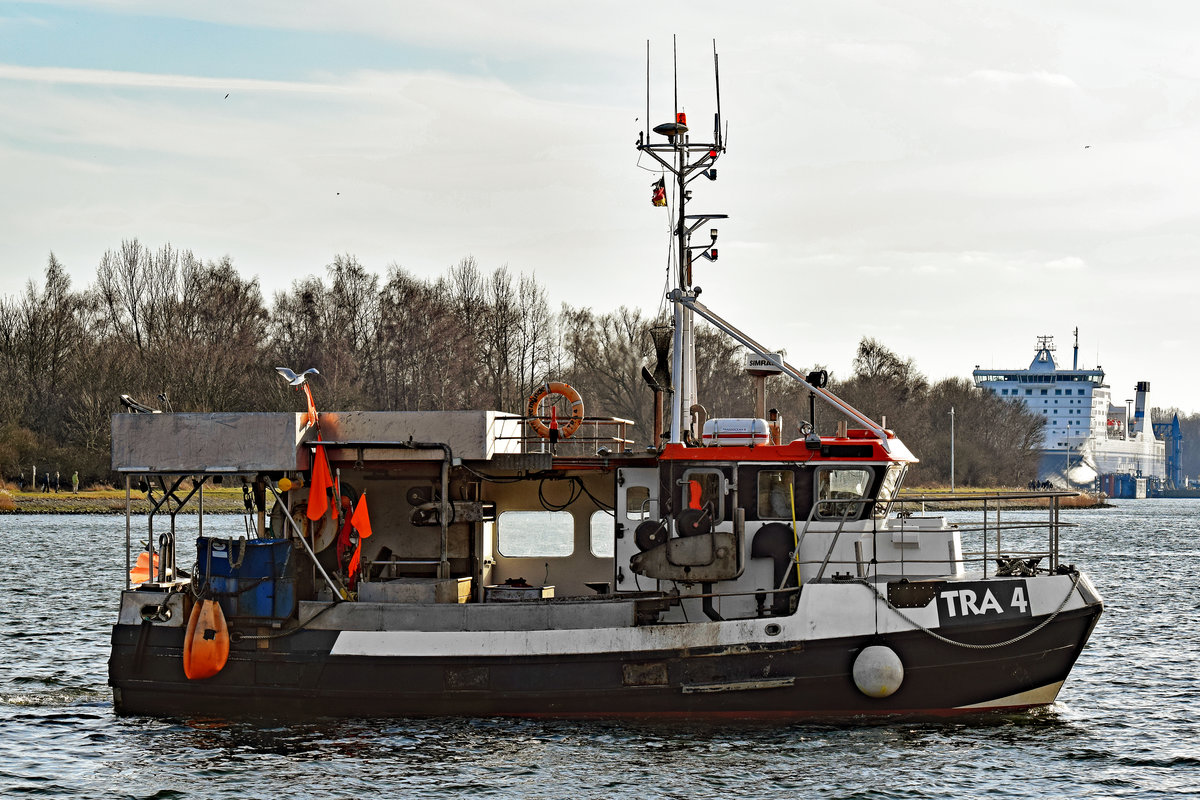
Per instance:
(318,489)
(361,521)
(311,414)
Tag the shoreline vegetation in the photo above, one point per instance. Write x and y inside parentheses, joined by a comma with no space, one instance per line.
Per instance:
(180,334)
(176,333)
(105,500)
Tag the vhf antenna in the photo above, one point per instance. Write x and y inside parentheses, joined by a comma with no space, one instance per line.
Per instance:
(675,67)
(717,138)
(647,90)
(717,79)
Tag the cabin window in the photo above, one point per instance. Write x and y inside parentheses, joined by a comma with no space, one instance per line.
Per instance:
(887,489)
(704,488)
(535,534)
(836,486)
(776,494)
(637,502)
(603,530)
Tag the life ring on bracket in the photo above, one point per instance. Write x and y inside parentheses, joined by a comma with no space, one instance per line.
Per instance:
(320,533)
(565,391)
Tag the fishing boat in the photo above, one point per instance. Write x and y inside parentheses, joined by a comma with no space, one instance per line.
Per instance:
(530,562)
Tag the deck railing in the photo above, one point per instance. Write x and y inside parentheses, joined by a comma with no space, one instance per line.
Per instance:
(982,534)
(594,433)
(993,524)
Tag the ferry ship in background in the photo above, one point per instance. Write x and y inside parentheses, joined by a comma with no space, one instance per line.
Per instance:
(1088,441)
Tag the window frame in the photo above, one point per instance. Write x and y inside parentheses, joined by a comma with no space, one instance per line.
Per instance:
(609,536)
(839,512)
(721,489)
(789,479)
(500,533)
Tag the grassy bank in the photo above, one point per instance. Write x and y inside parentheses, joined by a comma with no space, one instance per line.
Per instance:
(107,501)
(932,494)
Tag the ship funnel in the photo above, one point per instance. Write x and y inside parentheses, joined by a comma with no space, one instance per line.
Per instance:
(1139,408)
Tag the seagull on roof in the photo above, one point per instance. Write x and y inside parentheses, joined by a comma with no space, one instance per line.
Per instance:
(292,378)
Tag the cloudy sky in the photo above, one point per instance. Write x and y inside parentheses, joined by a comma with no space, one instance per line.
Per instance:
(952,178)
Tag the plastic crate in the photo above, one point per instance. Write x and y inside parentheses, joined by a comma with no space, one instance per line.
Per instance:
(254,580)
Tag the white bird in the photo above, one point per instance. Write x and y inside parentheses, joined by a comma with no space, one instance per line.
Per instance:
(292,378)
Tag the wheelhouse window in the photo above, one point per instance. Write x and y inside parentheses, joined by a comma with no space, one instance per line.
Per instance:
(776,494)
(887,489)
(704,488)
(535,534)
(837,488)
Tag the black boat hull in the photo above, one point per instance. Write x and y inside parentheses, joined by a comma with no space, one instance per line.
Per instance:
(297,676)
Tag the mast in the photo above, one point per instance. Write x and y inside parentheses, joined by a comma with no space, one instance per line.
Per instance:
(685,160)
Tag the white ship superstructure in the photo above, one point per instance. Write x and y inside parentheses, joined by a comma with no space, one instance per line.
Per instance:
(1086,434)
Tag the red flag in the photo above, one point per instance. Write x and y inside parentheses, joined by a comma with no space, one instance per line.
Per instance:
(318,488)
(362,523)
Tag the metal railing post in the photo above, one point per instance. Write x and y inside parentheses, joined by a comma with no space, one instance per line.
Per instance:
(999,530)
(128,534)
(985,535)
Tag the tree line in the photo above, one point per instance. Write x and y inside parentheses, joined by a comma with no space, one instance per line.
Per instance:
(181,333)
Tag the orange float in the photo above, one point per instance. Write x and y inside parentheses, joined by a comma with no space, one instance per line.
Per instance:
(206,643)
(142,571)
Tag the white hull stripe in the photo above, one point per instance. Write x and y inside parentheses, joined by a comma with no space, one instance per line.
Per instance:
(827,611)
(458,644)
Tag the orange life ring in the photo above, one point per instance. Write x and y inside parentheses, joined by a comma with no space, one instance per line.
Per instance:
(563,390)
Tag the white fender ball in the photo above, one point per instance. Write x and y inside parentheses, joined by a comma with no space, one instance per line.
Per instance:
(878,671)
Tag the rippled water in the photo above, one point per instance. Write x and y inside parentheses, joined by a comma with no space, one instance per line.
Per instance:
(1127,724)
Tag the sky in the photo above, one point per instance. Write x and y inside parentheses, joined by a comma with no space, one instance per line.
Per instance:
(952,178)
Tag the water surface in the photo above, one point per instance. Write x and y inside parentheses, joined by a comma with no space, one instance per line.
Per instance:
(1127,723)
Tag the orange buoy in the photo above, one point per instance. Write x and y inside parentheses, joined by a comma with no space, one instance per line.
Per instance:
(206,643)
(142,571)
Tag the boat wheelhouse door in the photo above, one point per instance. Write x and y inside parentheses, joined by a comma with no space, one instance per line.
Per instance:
(636,502)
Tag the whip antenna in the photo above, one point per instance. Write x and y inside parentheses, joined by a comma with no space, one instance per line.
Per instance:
(675,65)
(647,90)
(717,78)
